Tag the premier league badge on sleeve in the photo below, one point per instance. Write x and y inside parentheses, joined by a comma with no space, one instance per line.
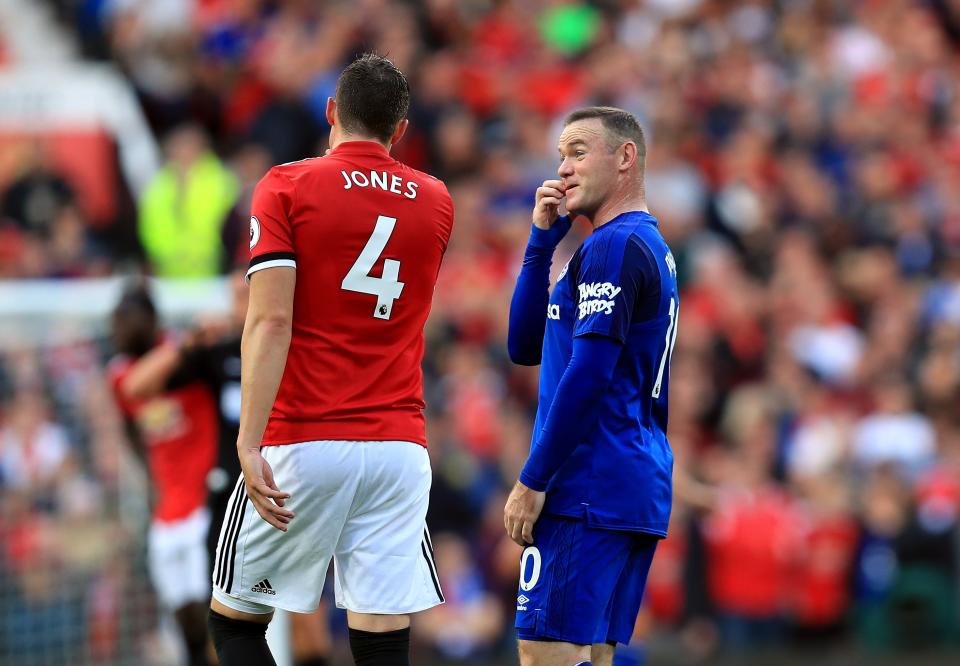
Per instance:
(254,232)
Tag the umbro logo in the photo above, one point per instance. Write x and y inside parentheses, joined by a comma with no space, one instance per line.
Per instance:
(263,587)
(522,602)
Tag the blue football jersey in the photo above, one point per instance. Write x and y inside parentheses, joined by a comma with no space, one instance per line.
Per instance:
(620,283)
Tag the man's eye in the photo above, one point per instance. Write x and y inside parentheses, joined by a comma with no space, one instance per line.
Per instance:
(579,154)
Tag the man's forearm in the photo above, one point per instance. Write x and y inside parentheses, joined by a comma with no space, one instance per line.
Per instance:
(528,307)
(263,351)
(149,374)
(574,410)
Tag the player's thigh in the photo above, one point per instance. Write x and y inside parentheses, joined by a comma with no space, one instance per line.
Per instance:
(552,653)
(260,565)
(177,558)
(568,580)
(384,559)
(630,588)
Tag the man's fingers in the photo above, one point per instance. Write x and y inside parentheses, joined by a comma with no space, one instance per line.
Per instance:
(549,193)
(511,525)
(274,492)
(262,495)
(516,532)
(280,522)
(262,508)
(527,533)
(273,520)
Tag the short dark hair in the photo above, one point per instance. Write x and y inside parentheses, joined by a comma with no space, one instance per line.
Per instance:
(621,126)
(372,96)
(136,297)
(135,320)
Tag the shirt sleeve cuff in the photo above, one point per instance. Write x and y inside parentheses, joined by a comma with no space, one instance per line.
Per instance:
(548,239)
(532,482)
(271,260)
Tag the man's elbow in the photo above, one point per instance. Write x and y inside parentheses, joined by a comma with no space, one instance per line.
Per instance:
(134,389)
(520,355)
(272,323)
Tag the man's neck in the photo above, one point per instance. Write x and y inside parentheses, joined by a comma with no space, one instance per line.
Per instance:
(344,138)
(624,202)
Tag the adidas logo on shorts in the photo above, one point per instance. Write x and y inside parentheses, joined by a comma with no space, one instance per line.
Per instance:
(263,587)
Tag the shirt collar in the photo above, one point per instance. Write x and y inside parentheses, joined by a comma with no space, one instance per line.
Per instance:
(360,148)
(642,215)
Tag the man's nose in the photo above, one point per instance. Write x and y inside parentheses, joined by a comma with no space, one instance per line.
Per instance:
(565,169)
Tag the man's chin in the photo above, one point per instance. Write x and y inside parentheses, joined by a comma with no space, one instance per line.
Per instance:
(575,210)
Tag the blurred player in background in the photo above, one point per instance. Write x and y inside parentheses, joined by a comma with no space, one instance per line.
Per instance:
(176,432)
(345,254)
(599,469)
(210,354)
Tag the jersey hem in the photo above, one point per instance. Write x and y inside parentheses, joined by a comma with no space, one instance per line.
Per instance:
(593,523)
(375,611)
(422,441)
(292,608)
(536,635)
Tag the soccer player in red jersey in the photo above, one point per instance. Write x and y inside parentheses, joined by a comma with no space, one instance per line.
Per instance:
(176,432)
(345,254)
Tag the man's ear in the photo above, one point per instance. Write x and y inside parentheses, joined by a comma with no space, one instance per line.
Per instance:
(398,133)
(332,111)
(628,156)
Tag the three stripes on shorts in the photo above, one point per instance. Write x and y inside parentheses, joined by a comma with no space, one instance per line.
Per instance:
(227,549)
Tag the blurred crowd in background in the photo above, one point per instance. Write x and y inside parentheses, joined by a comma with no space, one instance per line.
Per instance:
(804,163)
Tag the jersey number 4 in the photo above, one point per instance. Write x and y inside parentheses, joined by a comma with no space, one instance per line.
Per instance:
(386,288)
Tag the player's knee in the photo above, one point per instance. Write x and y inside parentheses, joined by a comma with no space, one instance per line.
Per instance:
(388,648)
(239,642)
(551,653)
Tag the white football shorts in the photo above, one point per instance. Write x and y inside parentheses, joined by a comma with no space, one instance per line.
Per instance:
(364,504)
(178,560)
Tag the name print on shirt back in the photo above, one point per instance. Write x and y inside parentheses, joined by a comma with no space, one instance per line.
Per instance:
(380,180)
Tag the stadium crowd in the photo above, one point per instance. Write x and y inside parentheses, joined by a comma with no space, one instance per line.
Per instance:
(804,163)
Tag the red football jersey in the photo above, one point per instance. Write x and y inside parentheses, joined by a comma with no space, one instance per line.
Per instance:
(180,430)
(366,235)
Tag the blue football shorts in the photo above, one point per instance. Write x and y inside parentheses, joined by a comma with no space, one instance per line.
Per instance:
(580,584)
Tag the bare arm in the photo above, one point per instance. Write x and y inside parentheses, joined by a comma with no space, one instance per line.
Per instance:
(148,376)
(264,347)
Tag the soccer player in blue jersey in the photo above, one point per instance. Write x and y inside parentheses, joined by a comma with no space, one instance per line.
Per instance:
(594,496)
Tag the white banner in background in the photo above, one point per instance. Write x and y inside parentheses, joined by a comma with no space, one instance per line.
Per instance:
(45,97)
(48,312)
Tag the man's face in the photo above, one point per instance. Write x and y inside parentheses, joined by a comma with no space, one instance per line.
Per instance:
(588,167)
(134,331)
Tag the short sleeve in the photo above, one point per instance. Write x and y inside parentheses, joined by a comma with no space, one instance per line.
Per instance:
(271,233)
(614,285)
(117,371)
